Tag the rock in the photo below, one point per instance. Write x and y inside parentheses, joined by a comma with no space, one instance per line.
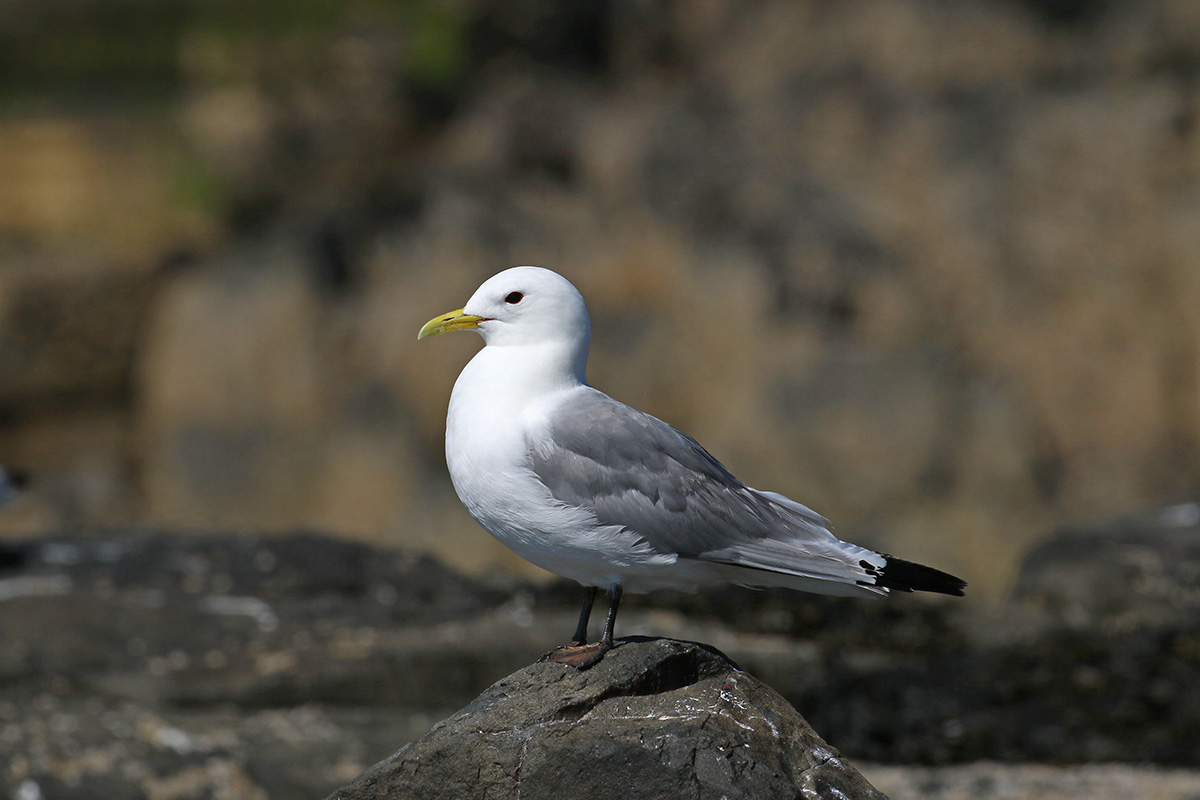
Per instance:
(194,618)
(1136,571)
(1036,782)
(657,718)
(296,661)
(1107,611)
(68,329)
(231,392)
(69,326)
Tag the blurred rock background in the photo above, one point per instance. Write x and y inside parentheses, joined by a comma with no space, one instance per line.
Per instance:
(929,266)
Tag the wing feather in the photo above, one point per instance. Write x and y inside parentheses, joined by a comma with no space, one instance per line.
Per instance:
(633,470)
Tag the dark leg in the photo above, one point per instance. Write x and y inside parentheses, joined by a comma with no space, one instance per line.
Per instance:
(585,613)
(614,600)
(582,656)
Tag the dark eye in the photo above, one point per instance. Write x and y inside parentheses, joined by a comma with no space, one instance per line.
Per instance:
(513,298)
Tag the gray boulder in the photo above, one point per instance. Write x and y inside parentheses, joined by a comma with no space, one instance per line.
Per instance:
(1137,571)
(657,718)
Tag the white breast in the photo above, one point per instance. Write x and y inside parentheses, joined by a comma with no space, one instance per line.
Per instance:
(496,409)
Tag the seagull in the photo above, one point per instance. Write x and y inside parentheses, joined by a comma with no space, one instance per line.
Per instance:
(606,495)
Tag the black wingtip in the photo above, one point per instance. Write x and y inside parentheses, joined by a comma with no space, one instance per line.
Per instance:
(906,576)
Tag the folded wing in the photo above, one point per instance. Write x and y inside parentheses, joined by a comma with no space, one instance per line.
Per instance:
(635,471)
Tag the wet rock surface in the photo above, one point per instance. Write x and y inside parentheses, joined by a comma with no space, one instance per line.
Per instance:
(1035,782)
(169,664)
(657,718)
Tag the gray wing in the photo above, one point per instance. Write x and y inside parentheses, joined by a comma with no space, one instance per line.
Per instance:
(633,470)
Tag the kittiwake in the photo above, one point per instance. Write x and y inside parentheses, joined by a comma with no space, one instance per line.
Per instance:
(596,491)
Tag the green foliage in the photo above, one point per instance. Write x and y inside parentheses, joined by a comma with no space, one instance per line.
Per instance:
(437,48)
(193,184)
(97,50)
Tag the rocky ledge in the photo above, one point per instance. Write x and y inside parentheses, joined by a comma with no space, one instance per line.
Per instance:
(144,664)
(657,718)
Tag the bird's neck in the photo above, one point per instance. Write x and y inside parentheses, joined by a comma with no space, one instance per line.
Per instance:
(511,377)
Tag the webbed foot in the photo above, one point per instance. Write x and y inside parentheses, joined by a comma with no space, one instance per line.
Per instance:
(580,656)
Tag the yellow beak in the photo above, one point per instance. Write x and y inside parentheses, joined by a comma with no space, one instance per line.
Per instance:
(445,323)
